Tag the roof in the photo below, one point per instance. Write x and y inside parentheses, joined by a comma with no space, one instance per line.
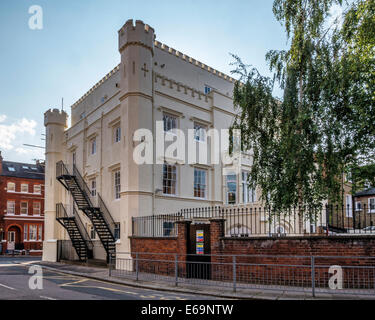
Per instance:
(22,170)
(366,192)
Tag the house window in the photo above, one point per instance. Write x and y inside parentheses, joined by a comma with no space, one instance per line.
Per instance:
(199,132)
(25,232)
(40,233)
(82,115)
(167,228)
(358,206)
(207,89)
(93,187)
(231,188)
(248,194)
(11,187)
(117,184)
(117,230)
(36,208)
(371,205)
(32,232)
(169,179)
(11,169)
(117,133)
(11,207)
(200,183)
(24,188)
(349,206)
(170,122)
(24,207)
(37,188)
(74,157)
(92,233)
(93,146)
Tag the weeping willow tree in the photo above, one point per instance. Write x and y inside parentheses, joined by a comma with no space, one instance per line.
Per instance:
(303,143)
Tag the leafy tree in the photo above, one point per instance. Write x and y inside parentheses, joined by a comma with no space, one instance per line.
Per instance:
(303,144)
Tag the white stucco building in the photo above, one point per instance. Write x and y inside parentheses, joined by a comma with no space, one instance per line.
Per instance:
(153,82)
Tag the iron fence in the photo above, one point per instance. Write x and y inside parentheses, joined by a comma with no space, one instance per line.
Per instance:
(313,275)
(250,221)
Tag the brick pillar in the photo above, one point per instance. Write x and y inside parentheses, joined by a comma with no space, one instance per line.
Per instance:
(216,232)
(182,244)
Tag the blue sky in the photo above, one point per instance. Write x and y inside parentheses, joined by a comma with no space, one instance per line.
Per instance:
(78,46)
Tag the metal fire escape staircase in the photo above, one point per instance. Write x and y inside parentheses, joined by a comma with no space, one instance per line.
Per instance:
(77,232)
(99,215)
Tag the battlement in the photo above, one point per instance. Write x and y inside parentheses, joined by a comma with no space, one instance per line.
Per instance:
(56,116)
(138,34)
(191,60)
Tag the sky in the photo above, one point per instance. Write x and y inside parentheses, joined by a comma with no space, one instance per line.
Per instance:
(78,45)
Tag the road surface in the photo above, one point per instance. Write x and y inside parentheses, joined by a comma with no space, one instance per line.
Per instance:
(14,285)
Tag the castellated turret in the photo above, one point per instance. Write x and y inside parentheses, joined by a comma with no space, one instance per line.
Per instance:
(141,34)
(55,122)
(136,46)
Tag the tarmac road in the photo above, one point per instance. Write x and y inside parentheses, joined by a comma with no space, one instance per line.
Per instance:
(14,285)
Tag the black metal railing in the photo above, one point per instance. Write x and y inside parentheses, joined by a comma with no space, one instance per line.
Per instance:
(106,215)
(252,221)
(62,213)
(83,186)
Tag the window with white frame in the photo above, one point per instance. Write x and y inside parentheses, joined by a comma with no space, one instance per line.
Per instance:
(25,232)
(358,206)
(93,187)
(40,233)
(32,232)
(200,183)
(117,230)
(231,188)
(371,205)
(170,122)
(93,146)
(199,132)
(24,188)
(37,188)
(117,133)
(248,194)
(11,207)
(169,179)
(117,183)
(36,208)
(11,187)
(349,206)
(24,207)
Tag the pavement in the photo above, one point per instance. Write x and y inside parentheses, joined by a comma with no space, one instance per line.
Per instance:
(86,282)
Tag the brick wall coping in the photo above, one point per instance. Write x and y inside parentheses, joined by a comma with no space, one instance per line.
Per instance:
(313,237)
(153,238)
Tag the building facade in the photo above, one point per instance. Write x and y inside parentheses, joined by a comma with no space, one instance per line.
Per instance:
(21,206)
(154,85)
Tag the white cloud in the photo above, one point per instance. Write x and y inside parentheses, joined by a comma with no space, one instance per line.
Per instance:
(10,132)
(21,151)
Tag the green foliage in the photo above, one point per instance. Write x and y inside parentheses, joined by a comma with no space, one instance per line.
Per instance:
(324,125)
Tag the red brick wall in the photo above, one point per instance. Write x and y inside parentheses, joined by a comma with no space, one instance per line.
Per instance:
(159,263)
(281,261)
(17,222)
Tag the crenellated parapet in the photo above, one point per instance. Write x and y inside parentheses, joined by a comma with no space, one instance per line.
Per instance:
(140,34)
(193,61)
(56,116)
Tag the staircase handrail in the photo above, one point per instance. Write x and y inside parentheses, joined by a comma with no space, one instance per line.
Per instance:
(82,184)
(106,215)
(82,229)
